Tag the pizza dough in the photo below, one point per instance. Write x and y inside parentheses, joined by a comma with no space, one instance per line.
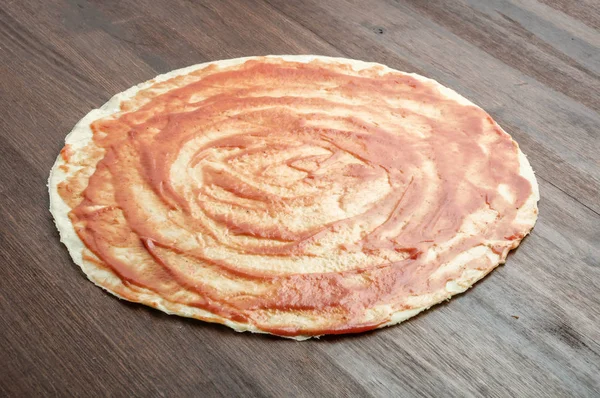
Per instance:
(291,195)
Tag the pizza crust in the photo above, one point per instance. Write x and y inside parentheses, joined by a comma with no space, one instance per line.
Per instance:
(81,136)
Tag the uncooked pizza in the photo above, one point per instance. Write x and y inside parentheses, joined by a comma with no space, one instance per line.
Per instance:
(293,195)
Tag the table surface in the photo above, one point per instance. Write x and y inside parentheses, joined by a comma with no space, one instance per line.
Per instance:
(532,328)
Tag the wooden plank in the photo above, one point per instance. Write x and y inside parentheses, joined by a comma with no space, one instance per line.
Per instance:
(529,329)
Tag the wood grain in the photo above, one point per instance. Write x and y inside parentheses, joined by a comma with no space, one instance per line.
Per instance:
(529,329)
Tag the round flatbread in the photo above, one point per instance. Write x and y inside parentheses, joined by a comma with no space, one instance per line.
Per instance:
(291,195)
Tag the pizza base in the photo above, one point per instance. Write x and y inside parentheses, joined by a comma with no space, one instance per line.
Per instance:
(81,136)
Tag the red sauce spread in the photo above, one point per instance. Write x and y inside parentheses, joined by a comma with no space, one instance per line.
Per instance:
(274,188)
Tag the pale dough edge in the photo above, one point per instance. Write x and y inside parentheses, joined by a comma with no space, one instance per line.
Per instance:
(81,135)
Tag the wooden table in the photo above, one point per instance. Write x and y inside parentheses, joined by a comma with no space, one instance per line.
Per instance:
(532,328)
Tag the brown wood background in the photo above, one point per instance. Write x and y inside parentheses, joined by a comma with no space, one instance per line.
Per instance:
(532,328)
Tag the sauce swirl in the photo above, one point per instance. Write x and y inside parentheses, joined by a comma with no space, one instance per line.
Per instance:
(299,198)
